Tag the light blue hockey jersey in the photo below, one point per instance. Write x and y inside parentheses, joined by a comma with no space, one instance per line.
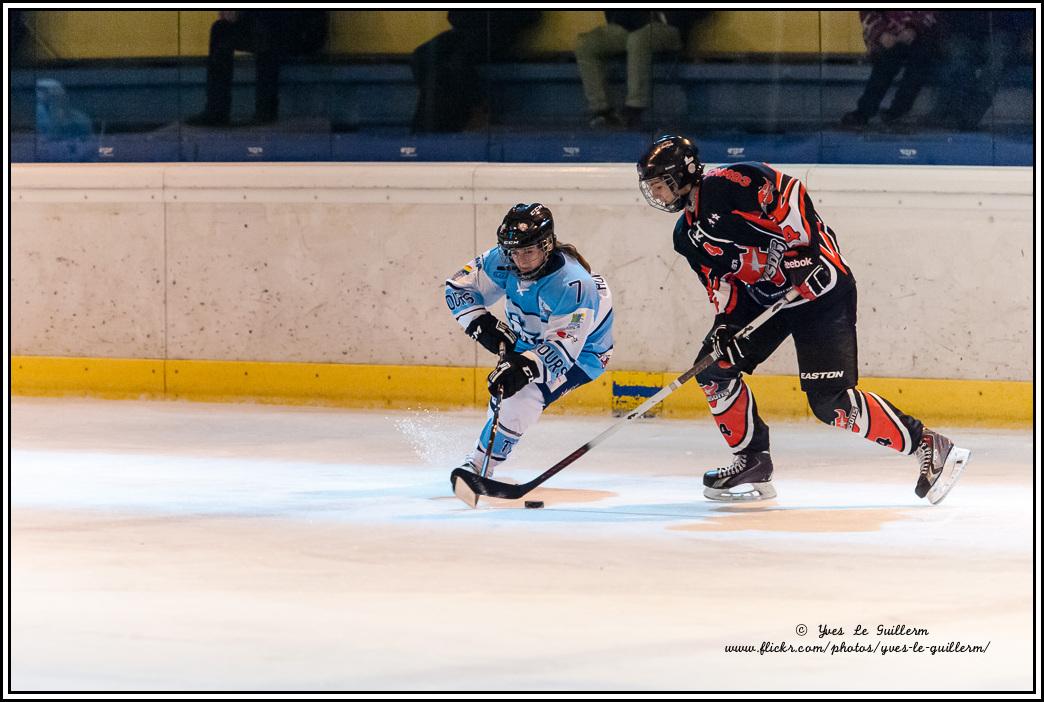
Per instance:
(562,319)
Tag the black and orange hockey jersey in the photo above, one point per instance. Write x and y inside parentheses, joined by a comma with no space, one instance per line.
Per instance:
(749,219)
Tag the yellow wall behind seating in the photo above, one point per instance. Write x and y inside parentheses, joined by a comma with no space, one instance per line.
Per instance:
(100,34)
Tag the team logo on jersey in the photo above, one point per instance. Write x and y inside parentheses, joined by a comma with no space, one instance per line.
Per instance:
(712,249)
(790,234)
(766,194)
(755,266)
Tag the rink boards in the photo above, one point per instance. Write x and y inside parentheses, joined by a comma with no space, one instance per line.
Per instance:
(322,283)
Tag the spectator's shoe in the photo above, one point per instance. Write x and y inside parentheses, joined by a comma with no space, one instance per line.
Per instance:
(854,119)
(207,119)
(606,119)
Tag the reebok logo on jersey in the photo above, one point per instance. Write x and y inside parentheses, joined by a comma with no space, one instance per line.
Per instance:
(798,263)
(825,375)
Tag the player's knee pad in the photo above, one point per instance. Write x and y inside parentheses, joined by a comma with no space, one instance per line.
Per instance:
(831,406)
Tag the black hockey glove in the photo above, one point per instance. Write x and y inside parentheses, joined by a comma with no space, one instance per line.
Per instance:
(725,344)
(807,274)
(491,332)
(512,374)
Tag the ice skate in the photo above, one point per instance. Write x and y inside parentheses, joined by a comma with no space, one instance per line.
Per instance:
(748,479)
(469,464)
(941,465)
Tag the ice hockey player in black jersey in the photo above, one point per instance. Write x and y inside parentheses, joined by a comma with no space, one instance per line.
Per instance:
(751,233)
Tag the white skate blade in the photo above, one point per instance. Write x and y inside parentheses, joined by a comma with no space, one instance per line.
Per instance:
(955,464)
(465,493)
(756,493)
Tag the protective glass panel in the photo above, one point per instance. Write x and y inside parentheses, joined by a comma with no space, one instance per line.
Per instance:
(946,87)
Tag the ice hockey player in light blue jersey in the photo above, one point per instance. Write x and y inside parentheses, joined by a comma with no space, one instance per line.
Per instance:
(559,329)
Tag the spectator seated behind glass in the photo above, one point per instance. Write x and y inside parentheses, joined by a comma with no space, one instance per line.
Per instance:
(272,36)
(896,41)
(55,119)
(638,34)
(445,67)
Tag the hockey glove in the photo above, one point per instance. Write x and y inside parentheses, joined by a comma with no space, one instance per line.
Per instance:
(491,333)
(512,374)
(807,274)
(726,346)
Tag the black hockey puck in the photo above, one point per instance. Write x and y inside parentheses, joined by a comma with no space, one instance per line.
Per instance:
(534,504)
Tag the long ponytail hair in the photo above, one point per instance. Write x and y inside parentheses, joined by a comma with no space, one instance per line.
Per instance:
(571,250)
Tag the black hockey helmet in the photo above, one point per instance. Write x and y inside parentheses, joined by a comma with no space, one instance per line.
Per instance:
(524,226)
(675,160)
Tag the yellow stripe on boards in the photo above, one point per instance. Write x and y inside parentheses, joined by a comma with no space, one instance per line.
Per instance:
(934,401)
(321,383)
(109,378)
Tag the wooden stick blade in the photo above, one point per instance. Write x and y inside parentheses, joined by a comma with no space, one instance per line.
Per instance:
(485,486)
(463,490)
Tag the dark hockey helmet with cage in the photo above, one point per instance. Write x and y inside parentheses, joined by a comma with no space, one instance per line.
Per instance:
(675,160)
(524,226)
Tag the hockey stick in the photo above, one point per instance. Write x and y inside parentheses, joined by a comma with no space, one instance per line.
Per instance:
(469,486)
(496,418)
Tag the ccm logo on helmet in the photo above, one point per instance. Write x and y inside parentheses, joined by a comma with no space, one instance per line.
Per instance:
(822,376)
(798,263)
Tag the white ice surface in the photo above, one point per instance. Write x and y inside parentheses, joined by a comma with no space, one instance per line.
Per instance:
(184,546)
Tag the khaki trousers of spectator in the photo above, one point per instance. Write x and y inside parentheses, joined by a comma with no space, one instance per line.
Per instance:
(594,48)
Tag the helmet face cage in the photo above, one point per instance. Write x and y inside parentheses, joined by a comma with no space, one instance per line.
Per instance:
(525,226)
(674,160)
(674,205)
